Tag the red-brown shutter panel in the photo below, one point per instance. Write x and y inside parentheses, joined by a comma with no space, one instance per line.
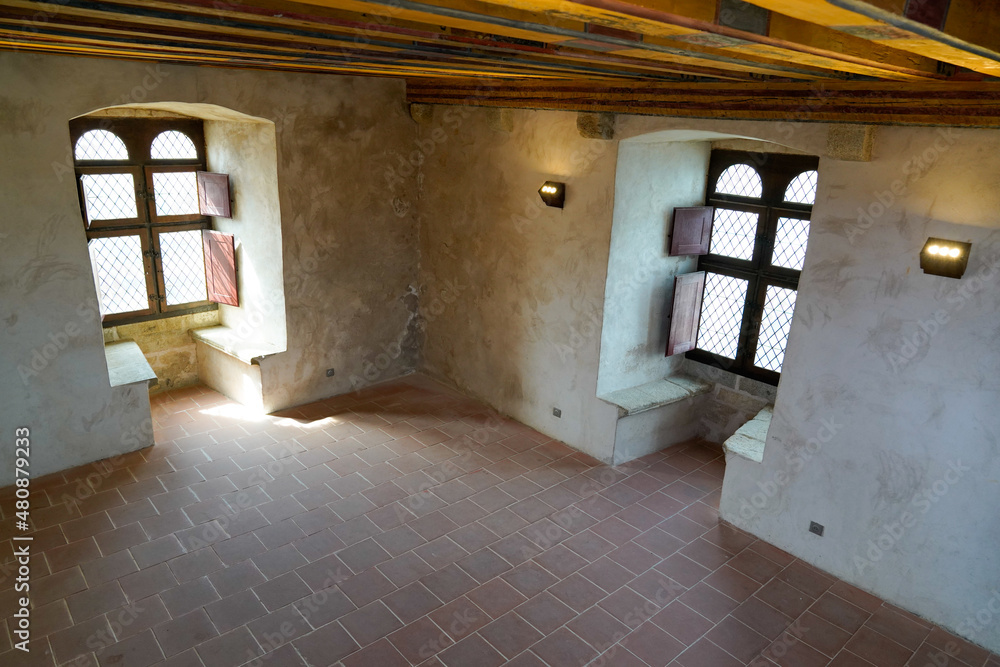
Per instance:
(692,230)
(686,313)
(213,194)
(220,267)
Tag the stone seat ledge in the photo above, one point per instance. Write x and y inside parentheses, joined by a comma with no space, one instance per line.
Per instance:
(228,340)
(749,439)
(127,364)
(658,393)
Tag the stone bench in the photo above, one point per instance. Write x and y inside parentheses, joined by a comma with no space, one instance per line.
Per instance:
(655,415)
(230,363)
(748,441)
(127,365)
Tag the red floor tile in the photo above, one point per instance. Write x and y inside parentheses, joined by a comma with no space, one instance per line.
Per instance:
(406,525)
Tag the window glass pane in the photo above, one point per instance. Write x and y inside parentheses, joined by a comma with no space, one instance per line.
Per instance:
(100,145)
(722,314)
(740,179)
(109,196)
(734,233)
(175,192)
(173,145)
(183,259)
(779,305)
(120,273)
(790,243)
(802,189)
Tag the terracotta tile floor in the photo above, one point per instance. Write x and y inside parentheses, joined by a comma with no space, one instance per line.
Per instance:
(406,525)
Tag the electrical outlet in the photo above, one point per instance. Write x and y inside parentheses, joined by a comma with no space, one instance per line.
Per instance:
(556,412)
(329,372)
(816,528)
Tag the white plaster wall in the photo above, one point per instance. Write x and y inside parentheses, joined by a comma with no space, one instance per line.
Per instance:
(650,181)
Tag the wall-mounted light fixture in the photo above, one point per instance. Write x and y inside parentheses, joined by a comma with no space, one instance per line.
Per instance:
(945,258)
(553,194)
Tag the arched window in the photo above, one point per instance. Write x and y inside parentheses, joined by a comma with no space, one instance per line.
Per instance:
(756,253)
(802,189)
(100,145)
(173,145)
(741,180)
(142,216)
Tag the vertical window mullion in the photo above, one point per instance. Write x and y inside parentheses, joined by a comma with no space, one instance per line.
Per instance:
(154,280)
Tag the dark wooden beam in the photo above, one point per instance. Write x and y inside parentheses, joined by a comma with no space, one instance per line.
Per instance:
(933,103)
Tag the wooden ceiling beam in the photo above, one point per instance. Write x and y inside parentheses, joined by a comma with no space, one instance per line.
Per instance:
(968,38)
(892,103)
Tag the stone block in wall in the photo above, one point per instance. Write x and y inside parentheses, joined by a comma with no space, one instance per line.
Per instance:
(422,114)
(501,120)
(596,125)
(741,401)
(850,142)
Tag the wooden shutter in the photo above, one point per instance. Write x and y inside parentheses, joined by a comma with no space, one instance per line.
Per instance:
(692,231)
(213,194)
(220,267)
(686,313)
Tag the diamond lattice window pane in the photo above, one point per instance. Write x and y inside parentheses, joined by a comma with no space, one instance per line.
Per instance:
(173,145)
(183,257)
(120,273)
(734,233)
(109,196)
(740,179)
(774,325)
(802,189)
(100,145)
(790,243)
(175,192)
(722,314)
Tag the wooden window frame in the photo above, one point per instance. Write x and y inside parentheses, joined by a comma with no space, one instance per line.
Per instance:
(138,135)
(776,171)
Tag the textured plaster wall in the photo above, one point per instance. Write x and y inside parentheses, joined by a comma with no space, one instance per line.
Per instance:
(349,250)
(651,180)
(512,292)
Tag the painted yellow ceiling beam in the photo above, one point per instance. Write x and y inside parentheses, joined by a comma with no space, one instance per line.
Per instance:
(883,22)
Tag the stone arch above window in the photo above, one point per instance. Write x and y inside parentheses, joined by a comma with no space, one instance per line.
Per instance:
(100,145)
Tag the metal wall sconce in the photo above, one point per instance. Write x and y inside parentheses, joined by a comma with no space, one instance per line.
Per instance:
(945,258)
(553,194)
